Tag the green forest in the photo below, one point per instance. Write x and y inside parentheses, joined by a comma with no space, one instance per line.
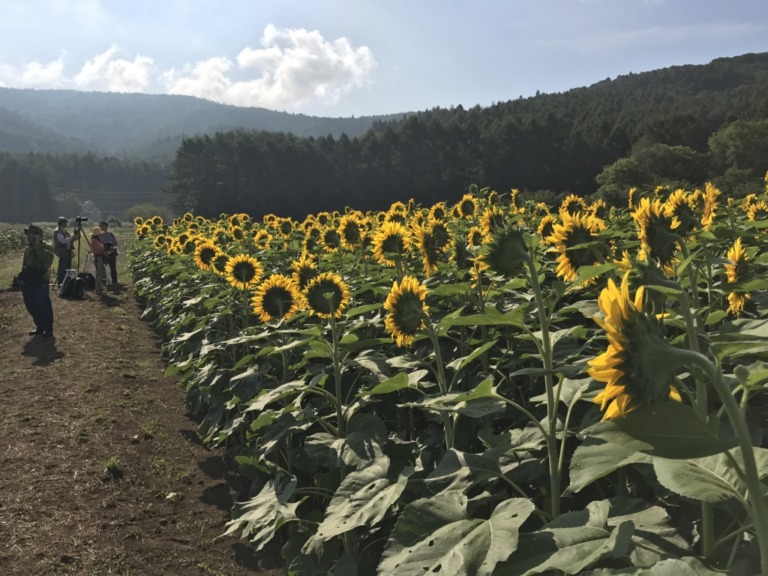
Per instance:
(675,127)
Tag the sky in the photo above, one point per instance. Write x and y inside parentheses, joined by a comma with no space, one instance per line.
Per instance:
(343,58)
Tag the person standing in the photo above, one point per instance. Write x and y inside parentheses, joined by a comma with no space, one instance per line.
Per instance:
(99,258)
(62,247)
(109,241)
(34,278)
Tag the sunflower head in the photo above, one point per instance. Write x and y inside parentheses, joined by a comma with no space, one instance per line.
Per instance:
(350,232)
(758,210)
(491,220)
(657,226)
(505,253)
(219,264)
(331,241)
(573,204)
(243,271)
(406,309)
(709,209)
(679,204)
(737,272)
(327,295)
(277,298)
(391,242)
(637,365)
(467,207)
(547,226)
(304,270)
(205,252)
(577,243)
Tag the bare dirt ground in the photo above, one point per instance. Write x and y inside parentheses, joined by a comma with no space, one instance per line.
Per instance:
(101,471)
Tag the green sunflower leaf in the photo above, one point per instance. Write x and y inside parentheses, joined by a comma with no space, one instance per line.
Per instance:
(594,459)
(364,498)
(437,536)
(666,429)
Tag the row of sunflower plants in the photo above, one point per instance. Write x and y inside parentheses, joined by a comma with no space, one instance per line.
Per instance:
(490,387)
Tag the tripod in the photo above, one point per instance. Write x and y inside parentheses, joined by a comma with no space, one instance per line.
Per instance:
(78,233)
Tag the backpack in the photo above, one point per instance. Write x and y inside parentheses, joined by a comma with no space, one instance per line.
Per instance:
(89,280)
(72,287)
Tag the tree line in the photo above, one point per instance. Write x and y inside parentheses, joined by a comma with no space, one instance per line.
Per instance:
(678,126)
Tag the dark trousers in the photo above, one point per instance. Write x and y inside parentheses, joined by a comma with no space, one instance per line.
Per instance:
(111,260)
(37,299)
(64,265)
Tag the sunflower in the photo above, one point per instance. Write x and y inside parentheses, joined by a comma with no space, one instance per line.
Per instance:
(278,297)
(632,198)
(237,233)
(737,272)
(304,270)
(438,212)
(680,207)
(222,237)
(428,246)
(138,221)
(160,241)
(391,242)
(467,207)
(262,239)
(546,226)
(243,271)
(475,237)
(575,240)
(505,253)
(758,210)
(637,365)
(747,202)
(330,240)
(657,231)
(711,193)
(143,231)
(515,204)
(491,220)
(599,209)
(327,295)
(350,232)
(406,306)
(205,252)
(573,204)
(219,264)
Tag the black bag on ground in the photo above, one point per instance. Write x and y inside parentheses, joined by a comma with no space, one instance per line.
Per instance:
(72,287)
(89,280)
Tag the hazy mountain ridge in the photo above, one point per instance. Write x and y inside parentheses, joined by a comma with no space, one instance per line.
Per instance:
(116,123)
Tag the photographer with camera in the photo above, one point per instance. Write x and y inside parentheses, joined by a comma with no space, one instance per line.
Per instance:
(99,258)
(34,278)
(109,241)
(62,248)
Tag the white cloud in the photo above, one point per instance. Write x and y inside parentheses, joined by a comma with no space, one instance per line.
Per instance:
(293,66)
(290,68)
(113,74)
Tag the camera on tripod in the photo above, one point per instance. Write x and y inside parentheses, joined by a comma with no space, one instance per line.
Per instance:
(80,219)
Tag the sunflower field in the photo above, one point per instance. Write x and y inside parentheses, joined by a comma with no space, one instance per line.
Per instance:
(492,387)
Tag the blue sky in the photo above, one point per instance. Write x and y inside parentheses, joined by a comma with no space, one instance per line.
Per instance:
(345,58)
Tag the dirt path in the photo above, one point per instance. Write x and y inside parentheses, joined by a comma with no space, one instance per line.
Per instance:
(101,471)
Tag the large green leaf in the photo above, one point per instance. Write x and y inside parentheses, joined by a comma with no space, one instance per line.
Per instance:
(670,567)
(595,458)
(666,429)
(435,536)
(363,499)
(460,470)
(606,530)
(262,516)
(709,479)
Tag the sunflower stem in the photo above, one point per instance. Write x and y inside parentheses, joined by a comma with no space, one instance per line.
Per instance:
(756,504)
(546,348)
(340,424)
(442,383)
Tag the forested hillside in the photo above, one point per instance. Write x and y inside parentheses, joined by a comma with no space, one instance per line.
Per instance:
(677,126)
(140,124)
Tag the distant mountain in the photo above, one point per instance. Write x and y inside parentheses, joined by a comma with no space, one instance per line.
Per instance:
(141,124)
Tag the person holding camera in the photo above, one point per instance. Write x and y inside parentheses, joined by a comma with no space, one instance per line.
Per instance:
(62,247)
(99,258)
(109,241)
(34,278)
